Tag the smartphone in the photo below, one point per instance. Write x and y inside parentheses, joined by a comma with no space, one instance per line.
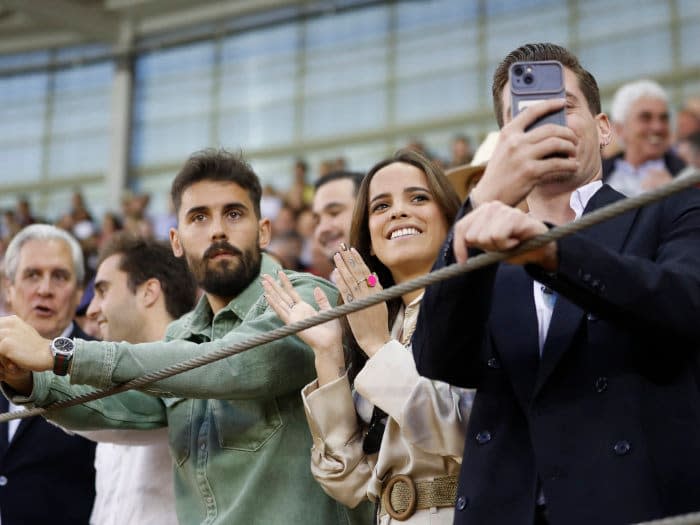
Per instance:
(534,82)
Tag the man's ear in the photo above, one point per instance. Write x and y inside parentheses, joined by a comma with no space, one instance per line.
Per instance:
(264,233)
(150,291)
(175,243)
(7,292)
(605,129)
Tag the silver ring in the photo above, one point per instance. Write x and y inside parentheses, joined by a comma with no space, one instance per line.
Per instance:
(292,305)
(349,298)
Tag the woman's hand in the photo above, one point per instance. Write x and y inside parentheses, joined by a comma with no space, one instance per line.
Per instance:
(326,340)
(370,326)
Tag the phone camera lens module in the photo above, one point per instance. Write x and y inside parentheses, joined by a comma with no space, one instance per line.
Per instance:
(528,79)
(518,70)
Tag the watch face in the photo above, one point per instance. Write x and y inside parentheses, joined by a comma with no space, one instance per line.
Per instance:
(63,345)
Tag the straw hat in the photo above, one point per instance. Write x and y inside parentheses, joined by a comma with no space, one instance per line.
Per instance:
(464,178)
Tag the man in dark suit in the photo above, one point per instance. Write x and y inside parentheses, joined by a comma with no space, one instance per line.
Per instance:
(584,352)
(44,278)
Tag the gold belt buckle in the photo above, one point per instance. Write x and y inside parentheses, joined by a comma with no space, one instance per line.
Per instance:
(412,499)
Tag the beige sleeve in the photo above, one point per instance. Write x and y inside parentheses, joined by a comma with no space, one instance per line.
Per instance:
(337,460)
(432,415)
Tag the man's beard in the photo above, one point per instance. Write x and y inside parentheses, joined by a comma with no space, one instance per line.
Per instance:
(226,278)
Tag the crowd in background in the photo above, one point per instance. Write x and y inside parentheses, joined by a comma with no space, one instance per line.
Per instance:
(288,208)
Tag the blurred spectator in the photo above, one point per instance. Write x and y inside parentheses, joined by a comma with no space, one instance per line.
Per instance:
(134,214)
(305,228)
(286,248)
(270,202)
(23,215)
(325,167)
(300,193)
(689,149)
(111,224)
(163,222)
(687,123)
(10,225)
(332,208)
(286,221)
(641,116)
(461,151)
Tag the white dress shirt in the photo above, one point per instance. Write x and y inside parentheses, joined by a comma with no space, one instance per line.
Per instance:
(544,297)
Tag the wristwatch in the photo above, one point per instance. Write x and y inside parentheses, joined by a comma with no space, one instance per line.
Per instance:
(62,349)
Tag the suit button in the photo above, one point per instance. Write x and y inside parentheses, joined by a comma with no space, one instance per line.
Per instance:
(586,277)
(461,503)
(622,447)
(483,437)
(3,481)
(601,384)
(591,317)
(493,363)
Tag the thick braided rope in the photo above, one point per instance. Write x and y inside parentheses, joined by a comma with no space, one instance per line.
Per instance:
(680,183)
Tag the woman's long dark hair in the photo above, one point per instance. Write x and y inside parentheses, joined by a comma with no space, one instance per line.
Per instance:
(446,199)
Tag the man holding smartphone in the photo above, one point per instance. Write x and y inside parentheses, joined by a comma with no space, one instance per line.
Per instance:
(584,353)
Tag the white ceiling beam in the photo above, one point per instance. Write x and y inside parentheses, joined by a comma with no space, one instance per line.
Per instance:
(91,23)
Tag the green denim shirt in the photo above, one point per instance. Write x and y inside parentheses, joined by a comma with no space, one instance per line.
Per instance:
(237,430)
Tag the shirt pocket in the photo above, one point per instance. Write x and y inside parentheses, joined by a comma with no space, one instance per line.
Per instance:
(246,424)
(179,427)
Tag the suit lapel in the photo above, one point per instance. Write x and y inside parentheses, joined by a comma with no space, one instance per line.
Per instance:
(514,329)
(567,317)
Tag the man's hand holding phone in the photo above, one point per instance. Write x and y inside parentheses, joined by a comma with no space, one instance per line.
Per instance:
(522,158)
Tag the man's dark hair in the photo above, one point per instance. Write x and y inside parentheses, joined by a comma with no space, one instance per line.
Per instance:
(142,259)
(544,51)
(216,165)
(354,176)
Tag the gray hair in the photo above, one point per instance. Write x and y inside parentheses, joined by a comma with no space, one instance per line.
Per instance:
(43,232)
(629,93)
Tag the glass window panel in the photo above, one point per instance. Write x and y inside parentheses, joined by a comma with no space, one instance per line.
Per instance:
(688,8)
(275,171)
(613,62)
(24,59)
(348,69)
(506,33)
(258,127)
(78,154)
(259,67)
(435,13)
(23,109)
(690,37)
(172,103)
(434,97)
(21,162)
(350,28)
(456,49)
(501,7)
(620,18)
(325,116)
(170,141)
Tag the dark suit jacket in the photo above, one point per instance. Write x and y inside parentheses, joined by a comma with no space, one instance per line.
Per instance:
(607,422)
(46,475)
(674,164)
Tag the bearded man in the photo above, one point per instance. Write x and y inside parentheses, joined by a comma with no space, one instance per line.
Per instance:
(237,430)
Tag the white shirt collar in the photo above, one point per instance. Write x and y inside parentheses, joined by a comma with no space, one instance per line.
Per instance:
(579,198)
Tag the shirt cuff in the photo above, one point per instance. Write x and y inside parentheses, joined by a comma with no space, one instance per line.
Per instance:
(93,363)
(41,382)
(388,378)
(330,410)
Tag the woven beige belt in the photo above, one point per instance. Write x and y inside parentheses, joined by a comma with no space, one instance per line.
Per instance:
(402,497)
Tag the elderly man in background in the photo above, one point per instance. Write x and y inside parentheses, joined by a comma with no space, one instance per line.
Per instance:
(44,275)
(641,120)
